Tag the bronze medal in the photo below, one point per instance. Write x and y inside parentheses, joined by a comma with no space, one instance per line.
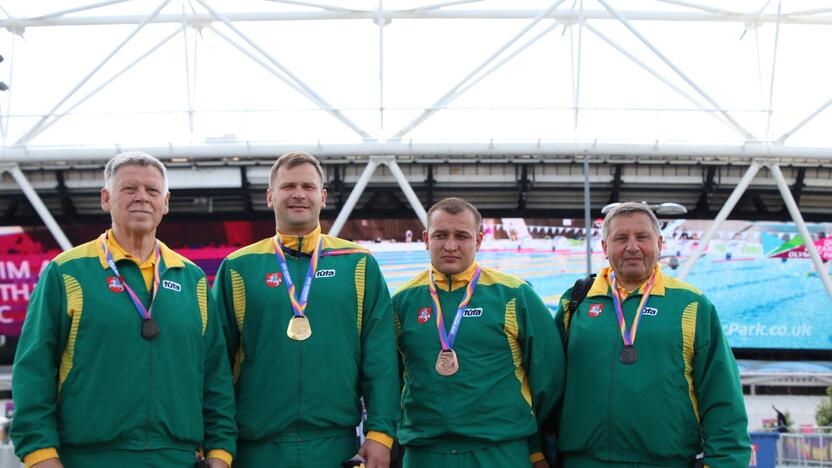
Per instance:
(628,355)
(447,363)
(299,328)
(150,329)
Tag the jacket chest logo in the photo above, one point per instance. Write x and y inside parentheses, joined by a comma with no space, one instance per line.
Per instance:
(273,280)
(650,311)
(324,273)
(595,310)
(115,284)
(172,285)
(424,314)
(472,312)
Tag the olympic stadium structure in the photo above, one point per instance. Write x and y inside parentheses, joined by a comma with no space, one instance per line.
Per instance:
(544,111)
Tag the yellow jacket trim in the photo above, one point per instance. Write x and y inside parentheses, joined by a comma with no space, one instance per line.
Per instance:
(264,246)
(310,241)
(381,438)
(40,455)
(536,457)
(488,276)
(220,455)
(360,279)
(238,295)
(601,285)
(688,340)
(74,308)
(202,299)
(512,334)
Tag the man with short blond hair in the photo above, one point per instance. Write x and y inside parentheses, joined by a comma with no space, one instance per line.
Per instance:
(310,333)
(483,364)
(121,360)
(672,397)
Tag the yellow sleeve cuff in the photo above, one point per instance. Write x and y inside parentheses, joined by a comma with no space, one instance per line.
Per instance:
(381,438)
(40,455)
(536,457)
(221,455)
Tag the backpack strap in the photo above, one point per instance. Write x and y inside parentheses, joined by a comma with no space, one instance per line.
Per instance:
(579,291)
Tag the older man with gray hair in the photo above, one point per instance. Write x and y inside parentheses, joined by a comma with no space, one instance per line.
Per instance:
(121,360)
(671,399)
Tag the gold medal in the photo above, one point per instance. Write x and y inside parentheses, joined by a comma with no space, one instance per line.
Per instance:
(299,328)
(447,363)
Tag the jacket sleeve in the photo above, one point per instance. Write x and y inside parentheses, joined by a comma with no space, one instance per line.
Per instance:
(218,394)
(36,364)
(560,319)
(379,364)
(719,394)
(222,295)
(543,358)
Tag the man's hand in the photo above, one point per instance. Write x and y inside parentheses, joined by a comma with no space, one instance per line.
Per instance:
(376,454)
(540,464)
(49,463)
(217,463)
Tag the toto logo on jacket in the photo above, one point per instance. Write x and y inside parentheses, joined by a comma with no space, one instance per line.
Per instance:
(595,310)
(115,284)
(273,280)
(424,314)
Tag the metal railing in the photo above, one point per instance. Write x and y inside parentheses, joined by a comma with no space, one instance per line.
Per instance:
(810,449)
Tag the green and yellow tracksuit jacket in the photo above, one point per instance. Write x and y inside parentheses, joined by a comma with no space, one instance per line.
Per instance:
(511,363)
(680,398)
(86,380)
(291,390)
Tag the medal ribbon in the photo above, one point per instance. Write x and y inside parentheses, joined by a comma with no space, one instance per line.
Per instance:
(145,314)
(447,338)
(298,305)
(630,337)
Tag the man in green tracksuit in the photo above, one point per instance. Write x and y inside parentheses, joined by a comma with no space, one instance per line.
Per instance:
(671,397)
(121,360)
(310,332)
(483,363)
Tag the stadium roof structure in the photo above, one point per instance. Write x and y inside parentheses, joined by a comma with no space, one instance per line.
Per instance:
(541,107)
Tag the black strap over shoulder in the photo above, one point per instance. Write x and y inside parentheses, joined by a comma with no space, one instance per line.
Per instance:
(579,290)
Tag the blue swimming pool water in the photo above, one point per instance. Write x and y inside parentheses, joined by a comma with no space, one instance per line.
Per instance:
(762,302)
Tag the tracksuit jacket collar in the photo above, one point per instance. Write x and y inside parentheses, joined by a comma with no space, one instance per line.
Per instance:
(456,281)
(601,286)
(169,258)
(303,244)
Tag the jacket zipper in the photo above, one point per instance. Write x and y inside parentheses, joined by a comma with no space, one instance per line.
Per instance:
(300,358)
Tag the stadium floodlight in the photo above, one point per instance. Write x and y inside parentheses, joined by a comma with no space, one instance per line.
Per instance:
(661,209)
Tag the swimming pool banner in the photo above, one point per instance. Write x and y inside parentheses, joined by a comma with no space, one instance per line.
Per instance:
(757,274)
(18,275)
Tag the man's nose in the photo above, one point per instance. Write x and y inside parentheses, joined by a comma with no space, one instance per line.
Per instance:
(142,195)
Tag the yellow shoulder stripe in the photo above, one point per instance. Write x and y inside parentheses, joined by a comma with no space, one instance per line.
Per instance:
(491,276)
(422,279)
(336,243)
(259,247)
(673,283)
(87,250)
